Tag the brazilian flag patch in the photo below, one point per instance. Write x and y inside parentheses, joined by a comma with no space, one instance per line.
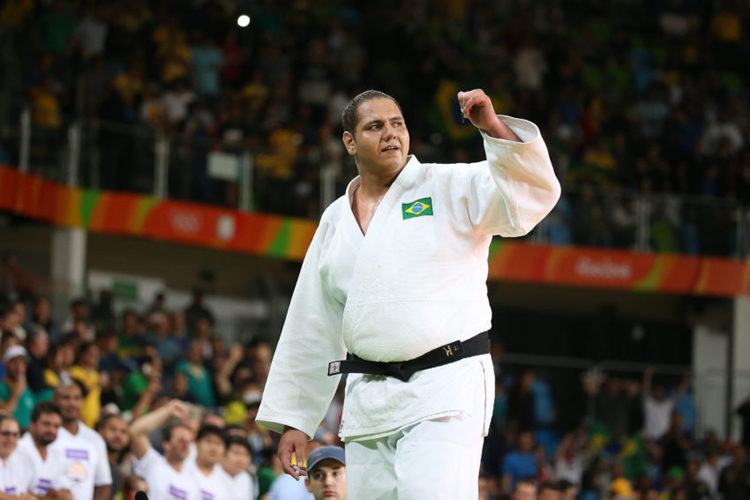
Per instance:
(422,206)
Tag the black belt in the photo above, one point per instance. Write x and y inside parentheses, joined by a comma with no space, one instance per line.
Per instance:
(403,370)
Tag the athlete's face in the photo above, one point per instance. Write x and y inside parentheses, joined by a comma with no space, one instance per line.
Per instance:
(380,142)
(327,480)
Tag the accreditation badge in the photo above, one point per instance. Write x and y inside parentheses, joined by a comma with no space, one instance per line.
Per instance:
(77,466)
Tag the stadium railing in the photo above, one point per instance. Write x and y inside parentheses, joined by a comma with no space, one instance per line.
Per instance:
(136,157)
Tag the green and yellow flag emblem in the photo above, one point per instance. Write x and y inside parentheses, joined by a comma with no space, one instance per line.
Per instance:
(418,208)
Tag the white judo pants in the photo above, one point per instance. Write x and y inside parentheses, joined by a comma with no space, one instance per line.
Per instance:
(433,459)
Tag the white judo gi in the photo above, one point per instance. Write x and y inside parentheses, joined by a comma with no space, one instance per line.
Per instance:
(414,282)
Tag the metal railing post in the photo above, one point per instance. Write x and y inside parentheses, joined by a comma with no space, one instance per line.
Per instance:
(24,140)
(161,172)
(74,153)
(246,183)
(642,209)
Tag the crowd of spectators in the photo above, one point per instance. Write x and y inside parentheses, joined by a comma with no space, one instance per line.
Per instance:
(155,381)
(634,97)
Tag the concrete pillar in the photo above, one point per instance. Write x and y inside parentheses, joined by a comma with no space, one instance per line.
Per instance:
(68,268)
(740,358)
(710,357)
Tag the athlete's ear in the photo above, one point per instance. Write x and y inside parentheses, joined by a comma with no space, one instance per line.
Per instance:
(349,143)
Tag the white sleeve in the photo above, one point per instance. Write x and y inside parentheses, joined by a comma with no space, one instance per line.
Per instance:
(299,390)
(516,187)
(148,463)
(102,473)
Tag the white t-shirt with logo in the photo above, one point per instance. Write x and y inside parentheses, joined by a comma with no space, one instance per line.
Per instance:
(83,463)
(239,487)
(213,486)
(164,482)
(16,474)
(48,473)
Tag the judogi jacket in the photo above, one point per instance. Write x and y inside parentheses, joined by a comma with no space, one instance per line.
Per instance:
(414,282)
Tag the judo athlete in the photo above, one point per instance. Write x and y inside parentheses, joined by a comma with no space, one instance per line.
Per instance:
(395,277)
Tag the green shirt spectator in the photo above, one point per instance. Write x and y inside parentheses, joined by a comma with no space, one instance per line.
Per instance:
(15,396)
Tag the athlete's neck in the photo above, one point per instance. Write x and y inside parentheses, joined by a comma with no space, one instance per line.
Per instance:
(373,185)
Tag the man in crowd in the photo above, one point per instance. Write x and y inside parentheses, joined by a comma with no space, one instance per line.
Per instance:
(50,480)
(83,449)
(15,396)
(16,469)
(114,431)
(210,447)
(237,461)
(326,473)
(167,476)
(421,380)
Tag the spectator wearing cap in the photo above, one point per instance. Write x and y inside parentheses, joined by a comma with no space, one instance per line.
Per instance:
(326,473)
(15,396)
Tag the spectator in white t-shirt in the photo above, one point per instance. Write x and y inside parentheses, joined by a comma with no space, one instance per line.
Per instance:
(237,460)
(657,407)
(169,477)
(49,479)
(16,469)
(210,448)
(83,449)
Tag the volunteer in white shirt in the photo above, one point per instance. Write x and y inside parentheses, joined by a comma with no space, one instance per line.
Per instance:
(83,449)
(237,460)
(49,479)
(169,477)
(210,448)
(396,276)
(16,469)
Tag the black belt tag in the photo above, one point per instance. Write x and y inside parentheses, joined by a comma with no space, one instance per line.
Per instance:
(453,349)
(334,368)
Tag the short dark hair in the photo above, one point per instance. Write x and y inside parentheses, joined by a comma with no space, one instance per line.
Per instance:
(166,434)
(236,440)
(210,430)
(106,418)
(44,408)
(350,114)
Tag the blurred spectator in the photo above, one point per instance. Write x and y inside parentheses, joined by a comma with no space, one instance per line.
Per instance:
(657,407)
(79,321)
(198,379)
(166,475)
(197,309)
(50,478)
(37,343)
(17,470)
(734,483)
(132,485)
(41,315)
(114,430)
(235,465)
(83,451)
(86,371)
(519,463)
(15,396)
